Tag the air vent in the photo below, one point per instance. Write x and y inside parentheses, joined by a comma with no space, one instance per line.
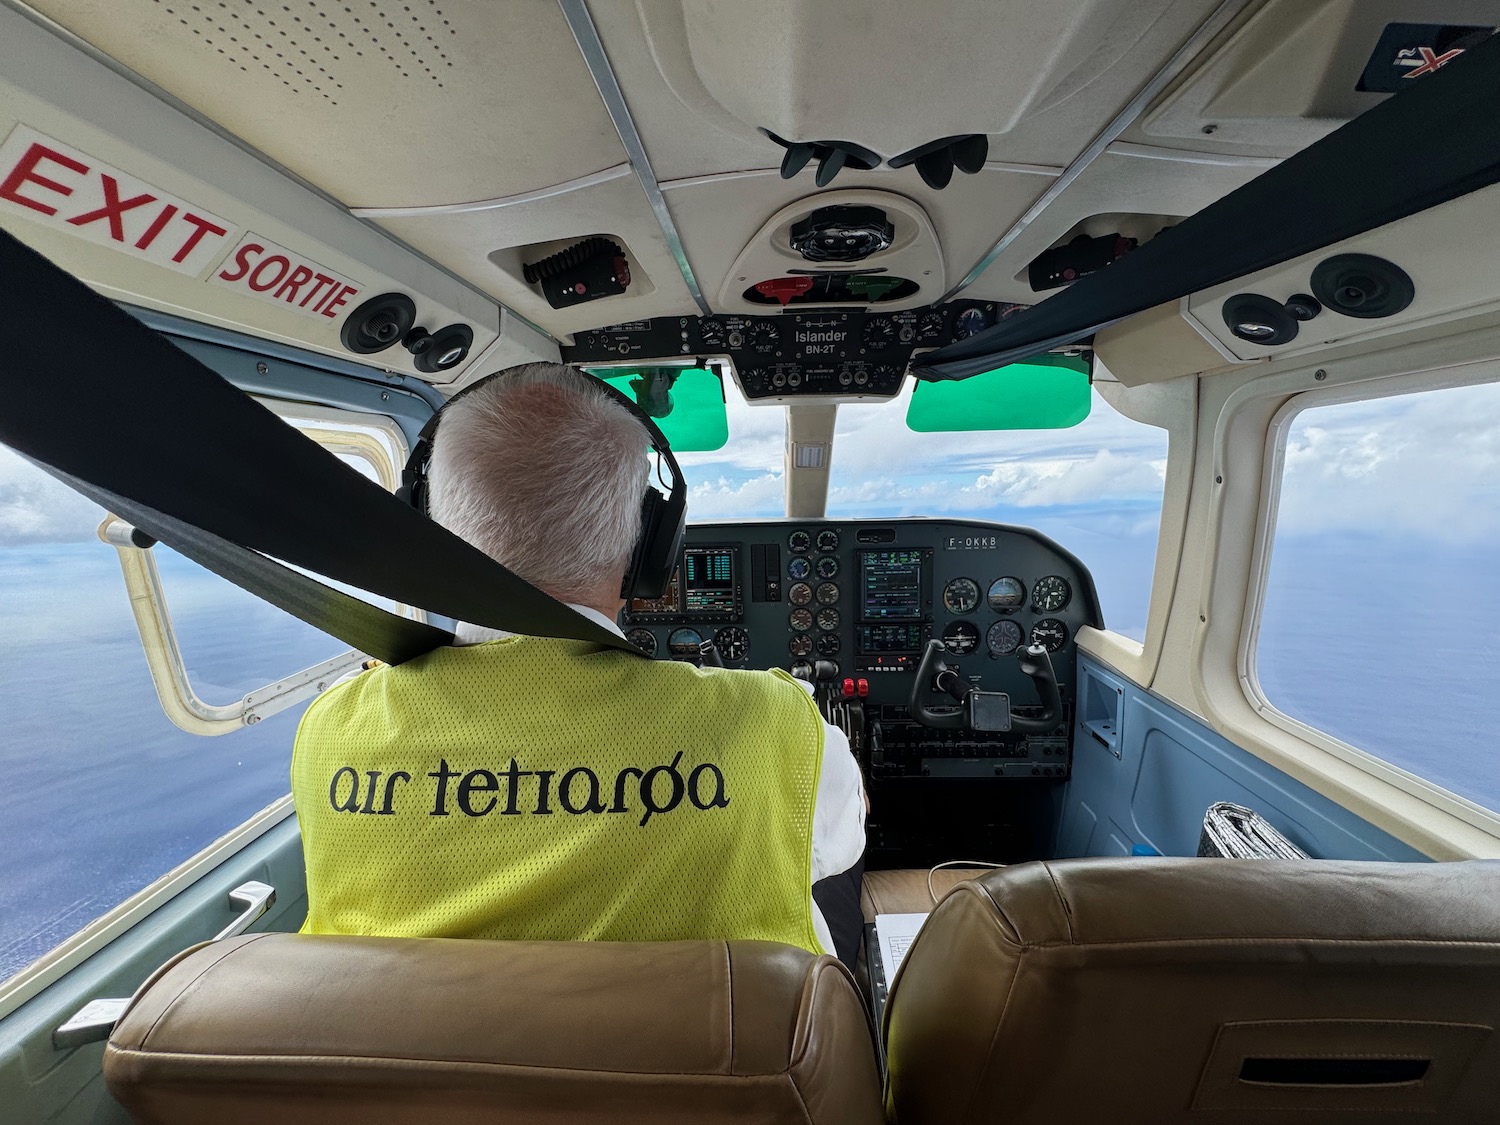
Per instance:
(304,43)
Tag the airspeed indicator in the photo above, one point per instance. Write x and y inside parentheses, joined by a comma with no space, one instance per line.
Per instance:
(961,595)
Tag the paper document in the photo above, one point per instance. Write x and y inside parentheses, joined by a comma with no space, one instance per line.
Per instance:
(896,933)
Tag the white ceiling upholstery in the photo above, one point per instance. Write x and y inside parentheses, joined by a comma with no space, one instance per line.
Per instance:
(405,110)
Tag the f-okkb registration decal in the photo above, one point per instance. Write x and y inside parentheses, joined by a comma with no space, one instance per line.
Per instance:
(70,191)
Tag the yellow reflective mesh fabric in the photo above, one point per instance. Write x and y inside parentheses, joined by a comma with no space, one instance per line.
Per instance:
(543,789)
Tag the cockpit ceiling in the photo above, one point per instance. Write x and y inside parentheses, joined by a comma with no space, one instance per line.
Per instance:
(474,130)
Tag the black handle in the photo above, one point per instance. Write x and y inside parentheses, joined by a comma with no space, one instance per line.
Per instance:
(947,680)
(1036,662)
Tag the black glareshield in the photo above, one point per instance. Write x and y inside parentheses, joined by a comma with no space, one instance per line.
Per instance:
(663,517)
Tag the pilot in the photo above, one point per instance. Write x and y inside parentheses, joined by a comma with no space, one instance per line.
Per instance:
(535,788)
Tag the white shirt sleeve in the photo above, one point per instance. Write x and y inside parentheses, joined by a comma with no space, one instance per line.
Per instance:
(838,830)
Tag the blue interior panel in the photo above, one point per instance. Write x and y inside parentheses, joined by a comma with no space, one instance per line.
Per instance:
(1144,772)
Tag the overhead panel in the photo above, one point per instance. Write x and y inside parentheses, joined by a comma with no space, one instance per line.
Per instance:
(727,223)
(378,102)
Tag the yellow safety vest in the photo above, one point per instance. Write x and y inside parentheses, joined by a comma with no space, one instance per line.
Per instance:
(545,789)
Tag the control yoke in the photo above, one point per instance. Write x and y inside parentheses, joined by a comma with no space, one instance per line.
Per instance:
(984,710)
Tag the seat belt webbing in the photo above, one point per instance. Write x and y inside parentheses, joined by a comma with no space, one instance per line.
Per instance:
(98,399)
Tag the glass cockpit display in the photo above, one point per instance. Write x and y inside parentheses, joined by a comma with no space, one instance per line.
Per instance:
(669,604)
(710,586)
(894,585)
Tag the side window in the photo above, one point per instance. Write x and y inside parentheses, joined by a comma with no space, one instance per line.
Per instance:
(1379,618)
(1096,488)
(102,795)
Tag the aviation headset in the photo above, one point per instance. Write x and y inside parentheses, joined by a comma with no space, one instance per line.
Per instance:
(663,518)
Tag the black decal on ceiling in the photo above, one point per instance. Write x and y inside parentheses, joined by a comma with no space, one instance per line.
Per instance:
(1408,51)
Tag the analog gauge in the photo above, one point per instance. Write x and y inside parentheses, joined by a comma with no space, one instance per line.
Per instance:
(800,619)
(961,595)
(1007,594)
(969,322)
(828,644)
(799,542)
(684,642)
(710,333)
(763,337)
(828,593)
(800,645)
(1050,632)
(828,567)
(1050,594)
(643,639)
(799,594)
(885,375)
(930,328)
(1003,638)
(799,568)
(961,637)
(828,619)
(880,333)
(732,642)
(828,540)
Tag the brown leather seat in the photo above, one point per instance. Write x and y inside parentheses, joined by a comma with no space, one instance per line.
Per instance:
(905,890)
(292,1028)
(1203,990)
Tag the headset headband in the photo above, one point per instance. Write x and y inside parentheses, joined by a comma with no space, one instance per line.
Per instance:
(663,518)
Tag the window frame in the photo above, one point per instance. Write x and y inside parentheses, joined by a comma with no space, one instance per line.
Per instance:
(341,432)
(1272,476)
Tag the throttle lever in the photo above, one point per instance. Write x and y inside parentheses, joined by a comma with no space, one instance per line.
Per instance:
(1036,662)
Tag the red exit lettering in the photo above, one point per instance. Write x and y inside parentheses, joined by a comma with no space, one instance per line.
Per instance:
(273,273)
(58,185)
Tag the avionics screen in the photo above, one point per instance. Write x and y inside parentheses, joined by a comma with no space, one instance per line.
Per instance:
(669,603)
(708,580)
(878,639)
(891,586)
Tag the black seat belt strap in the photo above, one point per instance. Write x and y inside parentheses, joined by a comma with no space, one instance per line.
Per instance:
(362,626)
(97,398)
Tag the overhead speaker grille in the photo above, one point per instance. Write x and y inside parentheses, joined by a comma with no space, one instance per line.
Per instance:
(304,42)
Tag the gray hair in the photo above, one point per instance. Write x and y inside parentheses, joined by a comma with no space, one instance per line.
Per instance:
(544,472)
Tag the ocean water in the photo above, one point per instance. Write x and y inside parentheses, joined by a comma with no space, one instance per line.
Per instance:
(1372,640)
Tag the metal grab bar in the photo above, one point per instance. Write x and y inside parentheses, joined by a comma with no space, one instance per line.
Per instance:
(256,898)
(96,1019)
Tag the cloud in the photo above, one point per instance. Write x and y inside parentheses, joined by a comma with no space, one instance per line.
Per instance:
(737,497)
(1424,464)
(35,508)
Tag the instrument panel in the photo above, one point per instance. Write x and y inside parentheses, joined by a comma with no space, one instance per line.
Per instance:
(851,605)
(859,353)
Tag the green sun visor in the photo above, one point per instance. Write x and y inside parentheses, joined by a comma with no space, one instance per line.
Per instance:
(1045,392)
(687,403)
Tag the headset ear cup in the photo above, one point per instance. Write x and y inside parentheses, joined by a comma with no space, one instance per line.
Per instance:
(649,574)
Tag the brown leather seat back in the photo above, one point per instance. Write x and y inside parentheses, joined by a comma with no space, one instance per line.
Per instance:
(293,1028)
(1205,991)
